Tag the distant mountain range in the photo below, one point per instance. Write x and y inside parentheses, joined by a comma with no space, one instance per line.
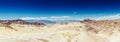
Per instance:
(53,21)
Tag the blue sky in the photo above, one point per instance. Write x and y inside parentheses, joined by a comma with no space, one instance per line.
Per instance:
(13,9)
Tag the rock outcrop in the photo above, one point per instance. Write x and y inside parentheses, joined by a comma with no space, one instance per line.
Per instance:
(8,23)
(19,21)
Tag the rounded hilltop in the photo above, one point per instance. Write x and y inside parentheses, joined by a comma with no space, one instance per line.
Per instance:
(102,23)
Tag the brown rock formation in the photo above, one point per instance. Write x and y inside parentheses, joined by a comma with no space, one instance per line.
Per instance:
(98,25)
(7,23)
(103,23)
(19,21)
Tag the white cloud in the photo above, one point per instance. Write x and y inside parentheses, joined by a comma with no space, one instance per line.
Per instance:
(43,18)
(58,17)
(46,18)
(28,18)
(110,17)
(33,18)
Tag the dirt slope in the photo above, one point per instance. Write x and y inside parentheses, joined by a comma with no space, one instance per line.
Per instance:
(84,31)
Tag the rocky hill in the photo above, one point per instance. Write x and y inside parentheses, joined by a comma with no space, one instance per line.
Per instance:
(18,21)
(8,24)
(84,31)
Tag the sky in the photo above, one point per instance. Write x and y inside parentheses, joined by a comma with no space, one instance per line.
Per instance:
(69,9)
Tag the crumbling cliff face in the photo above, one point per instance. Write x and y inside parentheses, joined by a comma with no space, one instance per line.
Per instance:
(106,25)
(84,31)
(10,24)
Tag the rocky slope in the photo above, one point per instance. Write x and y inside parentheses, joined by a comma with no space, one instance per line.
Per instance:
(84,31)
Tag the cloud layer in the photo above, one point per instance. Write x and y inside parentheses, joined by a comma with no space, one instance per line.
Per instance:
(46,18)
(110,17)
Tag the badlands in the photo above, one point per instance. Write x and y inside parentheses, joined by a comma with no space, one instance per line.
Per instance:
(83,31)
